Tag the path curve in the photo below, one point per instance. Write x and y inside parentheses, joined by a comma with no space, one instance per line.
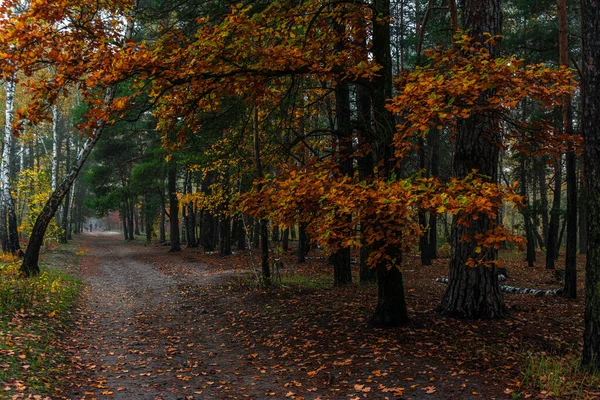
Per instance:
(138,337)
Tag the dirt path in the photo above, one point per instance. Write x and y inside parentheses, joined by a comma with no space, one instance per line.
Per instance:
(156,325)
(139,337)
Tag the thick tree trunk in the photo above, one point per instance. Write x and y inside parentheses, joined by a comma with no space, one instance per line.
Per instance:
(590,18)
(173,208)
(391,305)
(474,292)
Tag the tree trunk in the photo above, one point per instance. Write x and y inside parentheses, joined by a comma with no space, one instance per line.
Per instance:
(162,229)
(391,307)
(225,236)
(124,218)
(65,219)
(526,217)
(474,292)
(130,214)
(582,214)
(173,208)
(424,239)
(541,170)
(570,289)
(365,171)
(590,21)
(285,239)
(553,243)
(340,260)
(147,218)
(264,232)
(136,217)
(434,139)
(190,225)
(8,222)
(303,243)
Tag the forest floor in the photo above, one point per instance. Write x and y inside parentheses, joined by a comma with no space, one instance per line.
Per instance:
(159,325)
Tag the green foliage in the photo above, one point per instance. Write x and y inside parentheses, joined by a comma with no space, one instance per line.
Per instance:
(34,189)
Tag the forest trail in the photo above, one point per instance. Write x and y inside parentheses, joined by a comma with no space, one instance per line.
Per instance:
(139,338)
(158,325)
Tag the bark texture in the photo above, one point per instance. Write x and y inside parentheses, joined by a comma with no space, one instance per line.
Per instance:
(474,292)
(8,220)
(590,18)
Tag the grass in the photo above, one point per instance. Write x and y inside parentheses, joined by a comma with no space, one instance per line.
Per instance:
(559,377)
(33,313)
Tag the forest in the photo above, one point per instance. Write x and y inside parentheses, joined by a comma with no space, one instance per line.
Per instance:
(305,199)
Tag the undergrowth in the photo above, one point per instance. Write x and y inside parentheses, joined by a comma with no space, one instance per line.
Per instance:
(33,313)
(558,377)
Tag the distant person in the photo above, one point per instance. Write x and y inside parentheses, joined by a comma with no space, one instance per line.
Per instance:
(91,225)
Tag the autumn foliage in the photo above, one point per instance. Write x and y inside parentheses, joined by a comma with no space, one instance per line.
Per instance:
(449,88)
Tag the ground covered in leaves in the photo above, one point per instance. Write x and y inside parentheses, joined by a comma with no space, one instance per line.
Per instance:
(155,325)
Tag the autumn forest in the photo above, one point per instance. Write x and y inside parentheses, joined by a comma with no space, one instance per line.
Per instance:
(315,199)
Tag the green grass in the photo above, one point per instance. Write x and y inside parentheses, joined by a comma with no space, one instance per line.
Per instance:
(559,377)
(33,315)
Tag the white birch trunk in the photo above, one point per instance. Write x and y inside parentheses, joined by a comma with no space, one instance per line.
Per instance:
(55,145)
(9,240)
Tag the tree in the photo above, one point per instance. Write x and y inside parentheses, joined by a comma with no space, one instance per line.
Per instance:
(473,292)
(173,207)
(8,219)
(32,21)
(570,289)
(391,302)
(590,21)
